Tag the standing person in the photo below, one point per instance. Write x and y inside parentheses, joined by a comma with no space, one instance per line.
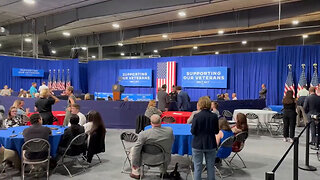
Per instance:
(312,107)
(163,99)
(204,128)
(301,115)
(263,92)
(44,106)
(289,116)
(71,100)
(183,100)
(33,89)
(234,96)
(43,86)
(173,97)
(5,91)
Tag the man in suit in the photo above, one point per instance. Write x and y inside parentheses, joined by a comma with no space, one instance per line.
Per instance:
(183,100)
(163,99)
(263,92)
(163,136)
(312,107)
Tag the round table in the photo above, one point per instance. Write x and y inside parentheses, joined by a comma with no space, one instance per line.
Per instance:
(182,138)
(58,114)
(180,116)
(264,115)
(15,143)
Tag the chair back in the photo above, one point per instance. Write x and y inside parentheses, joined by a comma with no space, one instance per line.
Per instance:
(77,141)
(154,149)
(227,114)
(141,122)
(241,137)
(36,145)
(168,119)
(277,117)
(227,143)
(128,137)
(252,116)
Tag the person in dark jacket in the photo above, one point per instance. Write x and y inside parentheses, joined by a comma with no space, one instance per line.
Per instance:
(289,116)
(204,127)
(183,100)
(163,99)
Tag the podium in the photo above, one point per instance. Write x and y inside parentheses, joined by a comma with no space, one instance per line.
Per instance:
(117,90)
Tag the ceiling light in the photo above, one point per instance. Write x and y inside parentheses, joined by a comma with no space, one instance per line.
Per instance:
(155,51)
(84,48)
(165,36)
(182,14)
(220,32)
(29,1)
(93,56)
(2,29)
(67,34)
(305,36)
(53,51)
(122,54)
(244,42)
(195,47)
(115,25)
(295,22)
(120,44)
(259,49)
(217,52)
(27,39)
(0,45)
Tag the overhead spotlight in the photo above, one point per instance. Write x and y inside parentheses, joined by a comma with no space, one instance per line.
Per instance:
(217,52)
(195,47)
(305,36)
(53,51)
(220,32)
(259,49)
(2,29)
(0,45)
(93,56)
(27,39)
(67,34)
(182,14)
(122,54)
(120,44)
(165,36)
(244,42)
(84,48)
(295,22)
(155,51)
(29,1)
(115,25)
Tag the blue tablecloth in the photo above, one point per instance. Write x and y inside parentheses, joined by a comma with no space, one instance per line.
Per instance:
(182,138)
(15,143)
(277,108)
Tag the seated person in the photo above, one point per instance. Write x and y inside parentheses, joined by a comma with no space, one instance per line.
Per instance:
(13,119)
(241,124)
(36,130)
(5,91)
(75,109)
(214,108)
(151,109)
(87,97)
(189,121)
(19,103)
(157,134)
(71,132)
(224,133)
(10,157)
(226,96)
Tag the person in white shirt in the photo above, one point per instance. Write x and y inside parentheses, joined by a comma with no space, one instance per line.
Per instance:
(75,109)
(303,92)
(234,96)
(91,116)
(43,86)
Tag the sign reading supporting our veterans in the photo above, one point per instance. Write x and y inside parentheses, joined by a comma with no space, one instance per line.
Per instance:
(21,72)
(205,77)
(136,77)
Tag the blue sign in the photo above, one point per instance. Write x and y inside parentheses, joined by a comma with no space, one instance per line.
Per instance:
(136,77)
(205,77)
(27,72)
(131,97)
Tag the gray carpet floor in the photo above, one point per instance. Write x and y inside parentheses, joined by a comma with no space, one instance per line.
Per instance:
(261,154)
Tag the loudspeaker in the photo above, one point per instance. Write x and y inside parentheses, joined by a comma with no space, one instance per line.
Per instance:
(74,53)
(46,48)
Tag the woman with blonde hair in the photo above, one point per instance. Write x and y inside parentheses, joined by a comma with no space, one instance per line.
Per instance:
(87,96)
(151,109)
(226,96)
(19,103)
(44,106)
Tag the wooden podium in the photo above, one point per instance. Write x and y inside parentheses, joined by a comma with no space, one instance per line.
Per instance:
(117,90)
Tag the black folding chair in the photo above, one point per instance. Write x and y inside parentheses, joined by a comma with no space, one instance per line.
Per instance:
(168,119)
(238,145)
(127,137)
(227,143)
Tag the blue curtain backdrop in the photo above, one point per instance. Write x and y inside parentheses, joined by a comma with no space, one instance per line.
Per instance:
(295,55)
(246,71)
(7,63)
(83,76)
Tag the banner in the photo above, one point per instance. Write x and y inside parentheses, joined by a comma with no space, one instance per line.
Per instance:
(205,77)
(136,77)
(27,72)
(131,97)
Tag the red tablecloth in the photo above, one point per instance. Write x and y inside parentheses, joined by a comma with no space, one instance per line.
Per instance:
(180,116)
(58,114)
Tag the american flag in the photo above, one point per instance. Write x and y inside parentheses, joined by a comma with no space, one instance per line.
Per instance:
(54,82)
(166,74)
(59,81)
(68,83)
(302,80)
(314,80)
(63,87)
(289,83)
(49,79)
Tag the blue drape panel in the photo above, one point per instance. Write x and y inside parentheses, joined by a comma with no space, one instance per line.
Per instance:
(83,77)
(247,71)
(7,63)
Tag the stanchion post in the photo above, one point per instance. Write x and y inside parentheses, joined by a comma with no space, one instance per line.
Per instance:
(306,166)
(295,158)
(269,176)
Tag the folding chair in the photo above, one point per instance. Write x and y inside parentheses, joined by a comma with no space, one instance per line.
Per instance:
(79,140)
(277,122)
(253,120)
(168,119)
(36,145)
(154,149)
(127,137)
(238,145)
(227,114)
(267,109)
(227,143)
